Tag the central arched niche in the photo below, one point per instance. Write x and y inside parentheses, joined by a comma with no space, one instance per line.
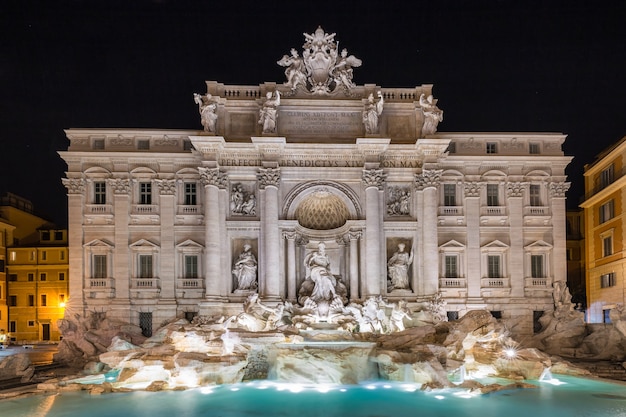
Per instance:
(321,205)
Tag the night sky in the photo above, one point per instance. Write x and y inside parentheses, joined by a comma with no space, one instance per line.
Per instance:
(496,66)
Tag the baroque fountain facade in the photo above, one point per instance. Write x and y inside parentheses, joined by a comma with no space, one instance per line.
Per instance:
(307,212)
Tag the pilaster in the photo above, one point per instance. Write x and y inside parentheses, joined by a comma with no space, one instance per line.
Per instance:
(427,183)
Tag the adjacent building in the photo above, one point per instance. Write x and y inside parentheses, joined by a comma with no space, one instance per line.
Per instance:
(175,223)
(605,189)
(36,271)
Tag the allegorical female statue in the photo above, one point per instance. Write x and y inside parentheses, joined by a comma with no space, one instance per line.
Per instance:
(398,268)
(244,270)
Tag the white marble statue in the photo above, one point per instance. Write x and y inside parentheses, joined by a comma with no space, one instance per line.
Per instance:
(318,263)
(398,201)
(242,201)
(207,108)
(398,268)
(399,312)
(371,111)
(342,72)
(321,291)
(432,114)
(374,319)
(244,270)
(295,70)
(269,112)
(321,69)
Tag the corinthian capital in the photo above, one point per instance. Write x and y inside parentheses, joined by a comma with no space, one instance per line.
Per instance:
(119,185)
(374,178)
(515,189)
(166,187)
(558,189)
(472,189)
(428,178)
(212,176)
(268,176)
(74,185)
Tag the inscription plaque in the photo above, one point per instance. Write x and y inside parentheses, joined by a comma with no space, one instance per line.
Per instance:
(322,123)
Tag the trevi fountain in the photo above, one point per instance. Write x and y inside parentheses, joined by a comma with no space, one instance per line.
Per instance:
(330,345)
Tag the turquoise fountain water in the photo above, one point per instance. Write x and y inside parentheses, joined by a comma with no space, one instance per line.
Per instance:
(561,397)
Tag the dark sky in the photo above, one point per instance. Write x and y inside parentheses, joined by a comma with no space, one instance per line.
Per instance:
(553,66)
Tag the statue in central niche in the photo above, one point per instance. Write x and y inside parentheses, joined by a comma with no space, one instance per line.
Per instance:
(321,291)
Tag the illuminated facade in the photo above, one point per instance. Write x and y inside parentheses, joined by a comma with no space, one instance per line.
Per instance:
(158,219)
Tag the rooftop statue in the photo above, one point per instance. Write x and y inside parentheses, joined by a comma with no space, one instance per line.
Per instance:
(371,111)
(269,112)
(321,69)
(207,107)
(432,114)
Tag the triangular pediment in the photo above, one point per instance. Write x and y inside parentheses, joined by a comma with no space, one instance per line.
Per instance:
(98,243)
(538,245)
(452,244)
(143,243)
(189,244)
(496,244)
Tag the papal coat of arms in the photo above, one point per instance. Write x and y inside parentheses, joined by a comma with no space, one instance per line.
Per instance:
(322,69)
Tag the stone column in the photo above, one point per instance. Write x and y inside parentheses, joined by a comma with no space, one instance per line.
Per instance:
(472,217)
(373,180)
(559,257)
(213,180)
(77,283)
(291,235)
(354,237)
(269,180)
(167,207)
(516,251)
(427,182)
(121,258)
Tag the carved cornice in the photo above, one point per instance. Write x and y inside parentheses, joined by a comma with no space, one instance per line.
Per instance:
(515,189)
(74,185)
(119,185)
(374,178)
(166,187)
(213,176)
(558,189)
(472,189)
(428,178)
(268,177)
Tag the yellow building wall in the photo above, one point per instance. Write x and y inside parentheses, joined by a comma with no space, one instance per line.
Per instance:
(601,300)
(38,283)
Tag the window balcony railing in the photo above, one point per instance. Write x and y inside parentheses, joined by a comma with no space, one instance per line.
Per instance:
(98,209)
(539,283)
(145,209)
(450,210)
(452,283)
(190,283)
(493,211)
(189,210)
(494,282)
(100,283)
(536,211)
(145,283)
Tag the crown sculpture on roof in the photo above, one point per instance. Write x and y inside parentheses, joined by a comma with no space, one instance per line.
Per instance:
(321,69)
